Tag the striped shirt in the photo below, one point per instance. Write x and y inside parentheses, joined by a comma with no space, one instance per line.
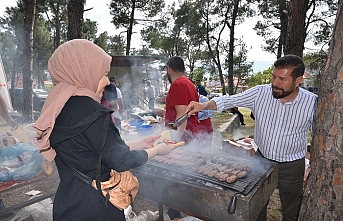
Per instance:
(280,129)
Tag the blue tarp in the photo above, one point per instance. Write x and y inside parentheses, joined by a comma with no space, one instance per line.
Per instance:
(21,161)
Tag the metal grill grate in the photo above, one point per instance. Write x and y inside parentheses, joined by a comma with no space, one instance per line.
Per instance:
(243,185)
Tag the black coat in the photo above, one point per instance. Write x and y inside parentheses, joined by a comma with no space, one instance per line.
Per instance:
(201,90)
(77,137)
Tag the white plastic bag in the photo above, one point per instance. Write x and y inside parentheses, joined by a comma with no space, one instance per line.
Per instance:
(41,211)
(143,216)
(190,218)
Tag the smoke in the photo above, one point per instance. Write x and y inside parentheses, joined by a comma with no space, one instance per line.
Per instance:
(238,134)
(128,84)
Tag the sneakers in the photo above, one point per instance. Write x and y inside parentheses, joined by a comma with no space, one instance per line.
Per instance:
(243,123)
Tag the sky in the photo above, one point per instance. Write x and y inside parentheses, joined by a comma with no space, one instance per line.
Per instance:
(100,13)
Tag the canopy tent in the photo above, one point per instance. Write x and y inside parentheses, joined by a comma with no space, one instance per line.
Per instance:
(4,89)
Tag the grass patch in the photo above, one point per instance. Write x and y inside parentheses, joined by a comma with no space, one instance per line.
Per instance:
(219,119)
(243,131)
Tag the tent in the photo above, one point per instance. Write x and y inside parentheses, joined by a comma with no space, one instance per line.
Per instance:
(4,89)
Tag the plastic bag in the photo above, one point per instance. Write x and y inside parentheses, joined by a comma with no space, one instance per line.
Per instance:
(143,216)
(41,211)
(190,218)
(21,161)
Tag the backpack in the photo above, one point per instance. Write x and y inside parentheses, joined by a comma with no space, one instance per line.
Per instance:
(109,94)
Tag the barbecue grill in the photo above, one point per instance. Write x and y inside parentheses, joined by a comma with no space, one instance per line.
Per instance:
(176,183)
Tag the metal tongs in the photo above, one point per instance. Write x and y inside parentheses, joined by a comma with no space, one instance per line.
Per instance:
(173,125)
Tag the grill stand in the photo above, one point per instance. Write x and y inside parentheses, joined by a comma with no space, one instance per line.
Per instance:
(204,202)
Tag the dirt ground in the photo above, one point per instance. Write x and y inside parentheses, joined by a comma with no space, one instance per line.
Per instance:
(18,195)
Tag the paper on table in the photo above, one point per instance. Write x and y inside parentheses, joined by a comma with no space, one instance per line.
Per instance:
(243,143)
(33,192)
(254,145)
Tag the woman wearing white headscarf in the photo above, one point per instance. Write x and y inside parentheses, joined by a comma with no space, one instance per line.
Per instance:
(71,125)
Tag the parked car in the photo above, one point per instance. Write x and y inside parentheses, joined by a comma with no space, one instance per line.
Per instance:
(38,98)
(214,94)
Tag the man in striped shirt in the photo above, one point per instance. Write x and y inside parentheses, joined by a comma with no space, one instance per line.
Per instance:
(284,113)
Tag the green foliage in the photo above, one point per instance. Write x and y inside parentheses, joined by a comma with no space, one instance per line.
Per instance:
(123,10)
(113,45)
(42,49)
(192,31)
(90,29)
(124,14)
(166,35)
(241,67)
(101,41)
(11,41)
(145,51)
(261,77)
(197,74)
(116,45)
(8,49)
(11,38)
(319,22)
(56,12)
(315,63)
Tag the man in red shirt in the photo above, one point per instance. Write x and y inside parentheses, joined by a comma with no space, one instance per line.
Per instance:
(180,93)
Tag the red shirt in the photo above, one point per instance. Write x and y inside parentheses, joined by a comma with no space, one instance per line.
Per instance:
(206,126)
(181,92)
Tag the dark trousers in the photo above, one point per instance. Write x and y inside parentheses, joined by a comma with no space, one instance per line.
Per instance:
(290,184)
(240,115)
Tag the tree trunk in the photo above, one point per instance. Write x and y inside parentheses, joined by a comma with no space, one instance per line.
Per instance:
(323,191)
(40,78)
(296,27)
(129,31)
(231,46)
(58,15)
(283,29)
(75,19)
(27,60)
(57,41)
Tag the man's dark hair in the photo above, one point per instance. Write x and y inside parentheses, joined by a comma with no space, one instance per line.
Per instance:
(291,61)
(113,79)
(176,64)
(191,80)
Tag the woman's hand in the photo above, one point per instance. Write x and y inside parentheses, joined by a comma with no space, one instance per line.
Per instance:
(148,142)
(160,149)
(163,149)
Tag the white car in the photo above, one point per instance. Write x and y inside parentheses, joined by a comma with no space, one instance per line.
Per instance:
(214,94)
